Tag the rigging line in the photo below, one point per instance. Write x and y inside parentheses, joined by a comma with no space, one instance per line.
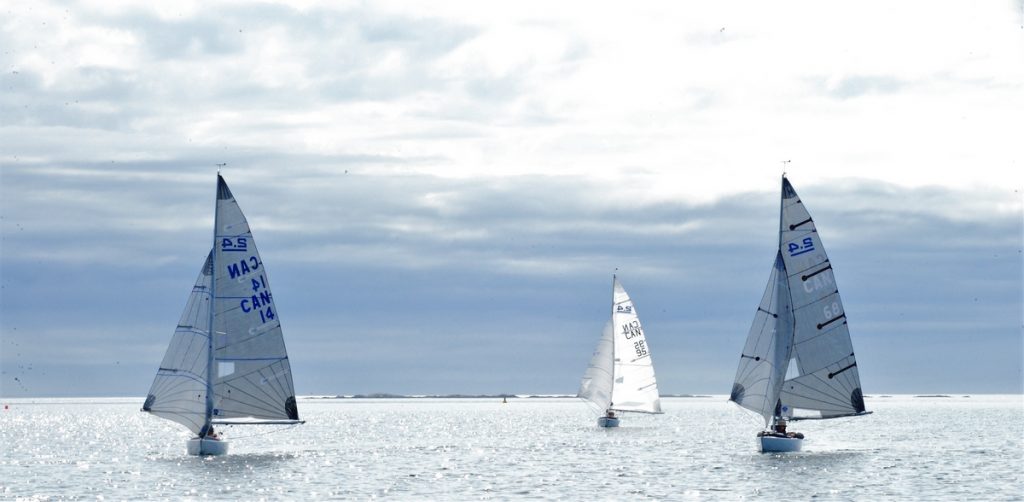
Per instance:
(812,403)
(812,394)
(284,369)
(267,405)
(838,400)
(167,386)
(184,376)
(820,334)
(824,367)
(257,335)
(253,371)
(270,402)
(815,300)
(252,245)
(810,265)
(198,360)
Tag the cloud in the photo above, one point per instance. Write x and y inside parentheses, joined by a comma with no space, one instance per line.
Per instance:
(858,85)
(446,188)
(437,274)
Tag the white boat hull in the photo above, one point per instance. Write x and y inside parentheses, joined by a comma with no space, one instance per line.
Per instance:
(773,444)
(206,446)
(607,421)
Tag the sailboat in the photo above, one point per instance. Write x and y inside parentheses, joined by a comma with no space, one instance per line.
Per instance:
(620,376)
(227,363)
(798,357)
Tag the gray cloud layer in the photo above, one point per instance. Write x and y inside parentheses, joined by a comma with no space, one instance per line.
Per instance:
(442,197)
(422,284)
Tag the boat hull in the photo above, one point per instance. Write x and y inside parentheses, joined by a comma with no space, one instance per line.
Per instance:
(607,421)
(206,446)
(775,444)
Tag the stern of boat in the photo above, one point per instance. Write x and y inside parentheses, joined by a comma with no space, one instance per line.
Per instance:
(207,446)
(776,444)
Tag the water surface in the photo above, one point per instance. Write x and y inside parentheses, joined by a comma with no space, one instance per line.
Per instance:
(950,448)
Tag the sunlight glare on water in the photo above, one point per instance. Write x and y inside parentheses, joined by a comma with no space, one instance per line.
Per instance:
(701,448)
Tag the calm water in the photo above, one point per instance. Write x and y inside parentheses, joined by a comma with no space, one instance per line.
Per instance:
(702,448)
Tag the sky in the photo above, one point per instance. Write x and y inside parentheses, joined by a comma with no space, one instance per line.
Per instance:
(441,191)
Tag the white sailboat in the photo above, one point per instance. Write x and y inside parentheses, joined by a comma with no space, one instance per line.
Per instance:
(620,376)
(240,374)
(798,361)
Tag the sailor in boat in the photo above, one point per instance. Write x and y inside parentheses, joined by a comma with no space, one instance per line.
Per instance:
(211,434)
(610,414)
(780,431)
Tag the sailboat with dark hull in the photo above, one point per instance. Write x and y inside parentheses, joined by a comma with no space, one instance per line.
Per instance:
(798,361)
(226,363)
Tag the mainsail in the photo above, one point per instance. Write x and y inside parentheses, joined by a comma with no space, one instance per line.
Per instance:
(800,322)
(634,387)
(621,375)
(253,376)
(246,378)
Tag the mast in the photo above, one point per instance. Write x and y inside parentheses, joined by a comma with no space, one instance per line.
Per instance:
(213,300)
(782,198)
(782,202)
(612,389)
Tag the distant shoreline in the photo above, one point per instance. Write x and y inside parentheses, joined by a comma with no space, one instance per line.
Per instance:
(471,396)
(385,395)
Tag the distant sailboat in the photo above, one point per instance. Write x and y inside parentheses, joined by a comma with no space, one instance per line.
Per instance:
(798,354)
(241,374)
(621,374)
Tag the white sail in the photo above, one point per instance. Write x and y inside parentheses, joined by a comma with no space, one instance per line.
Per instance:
(800,322)
(178,392)
(634,387)
(596,387)
(766,353)
(828,381)
(246,379)
(252,375)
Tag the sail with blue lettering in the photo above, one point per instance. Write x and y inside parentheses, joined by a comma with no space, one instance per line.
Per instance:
(253,378)
(798,361)
(227,362)
(827,382)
